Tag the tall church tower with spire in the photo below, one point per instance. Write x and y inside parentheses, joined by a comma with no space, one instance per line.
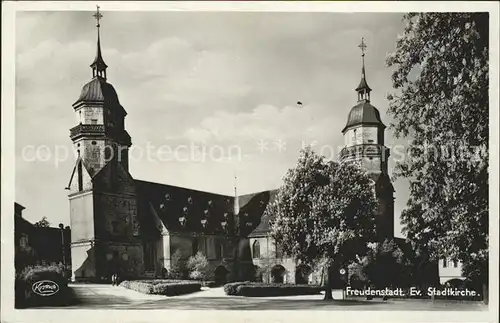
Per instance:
(364,145)
(102,197)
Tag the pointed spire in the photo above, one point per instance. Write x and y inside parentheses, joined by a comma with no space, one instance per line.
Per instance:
(363,89)
(236,199)
(98,66)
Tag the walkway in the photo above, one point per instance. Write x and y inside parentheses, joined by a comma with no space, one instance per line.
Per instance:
(95,296)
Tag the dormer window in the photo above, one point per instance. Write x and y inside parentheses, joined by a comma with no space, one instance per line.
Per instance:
(182,221)
(223,225)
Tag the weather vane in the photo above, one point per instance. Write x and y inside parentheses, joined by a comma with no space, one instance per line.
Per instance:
(97,17)
(362,46)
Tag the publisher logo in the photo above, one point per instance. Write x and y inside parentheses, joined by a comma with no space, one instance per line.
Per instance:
(45,288)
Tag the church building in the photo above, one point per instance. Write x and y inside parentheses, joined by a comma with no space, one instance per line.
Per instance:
(133,227)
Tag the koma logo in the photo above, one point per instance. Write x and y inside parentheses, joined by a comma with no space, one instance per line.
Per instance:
(45,288)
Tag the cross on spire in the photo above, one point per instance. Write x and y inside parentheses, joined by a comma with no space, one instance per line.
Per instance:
(362,46)
(98,66)
(97,17)
(363,89)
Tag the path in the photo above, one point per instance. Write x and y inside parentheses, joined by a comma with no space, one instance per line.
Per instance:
(113,297)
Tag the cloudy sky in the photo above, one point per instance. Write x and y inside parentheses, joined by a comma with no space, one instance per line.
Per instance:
(230,81)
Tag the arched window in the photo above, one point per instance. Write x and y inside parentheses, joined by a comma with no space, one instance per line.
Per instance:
(256,249)
(220,251)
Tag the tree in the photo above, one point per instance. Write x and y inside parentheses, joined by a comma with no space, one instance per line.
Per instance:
(43,223)
(177,266)
(384,265)
(444,111)
(198,266)
(324,214)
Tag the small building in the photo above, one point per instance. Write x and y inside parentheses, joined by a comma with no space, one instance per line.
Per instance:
(39,245)
(449,270)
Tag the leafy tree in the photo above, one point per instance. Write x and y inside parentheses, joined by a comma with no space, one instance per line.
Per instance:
(384,265)
(323,215)
(198,266)
(43,223)
(177,266)
(441,103)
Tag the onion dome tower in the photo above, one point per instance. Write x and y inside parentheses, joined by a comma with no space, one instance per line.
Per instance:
(100,136)
(364,145)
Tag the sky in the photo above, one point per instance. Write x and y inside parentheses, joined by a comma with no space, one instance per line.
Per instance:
(225,82)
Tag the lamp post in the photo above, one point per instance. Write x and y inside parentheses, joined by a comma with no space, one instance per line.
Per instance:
(61,226)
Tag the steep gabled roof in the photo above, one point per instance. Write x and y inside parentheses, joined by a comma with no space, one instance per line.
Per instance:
(203,212)
(263,225)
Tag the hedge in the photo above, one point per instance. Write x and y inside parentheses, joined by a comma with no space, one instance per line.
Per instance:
(25,296)
(262,289)
(230,288)
(162,286)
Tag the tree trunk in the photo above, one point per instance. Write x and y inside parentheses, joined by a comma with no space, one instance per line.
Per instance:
(485,293)
(328,284)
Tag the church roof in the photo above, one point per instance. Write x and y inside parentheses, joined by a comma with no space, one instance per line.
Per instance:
(363,113)
(363,85)
(252,212)
(100,91)
(172,204)
(186,210)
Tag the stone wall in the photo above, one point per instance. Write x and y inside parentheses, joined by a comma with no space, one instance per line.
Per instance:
(87,113)
(124,258)
(116,216)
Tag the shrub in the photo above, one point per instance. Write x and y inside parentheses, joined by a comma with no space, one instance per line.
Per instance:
(177,266)
(209,283)
(230,288)
(25,295)
(263,289)
(276,290)
(176,288)
(198,266)
(162,286)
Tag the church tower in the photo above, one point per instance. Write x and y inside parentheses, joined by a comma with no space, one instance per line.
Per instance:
(103,205)
(100,134)
(364,145)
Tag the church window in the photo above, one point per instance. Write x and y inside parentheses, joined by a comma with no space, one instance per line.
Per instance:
(256,250)
(220,251)
(78,145)
(149,256)
(80,175)
(115,225)
(279,254)
(93,121)
(195,246)
(23,242)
